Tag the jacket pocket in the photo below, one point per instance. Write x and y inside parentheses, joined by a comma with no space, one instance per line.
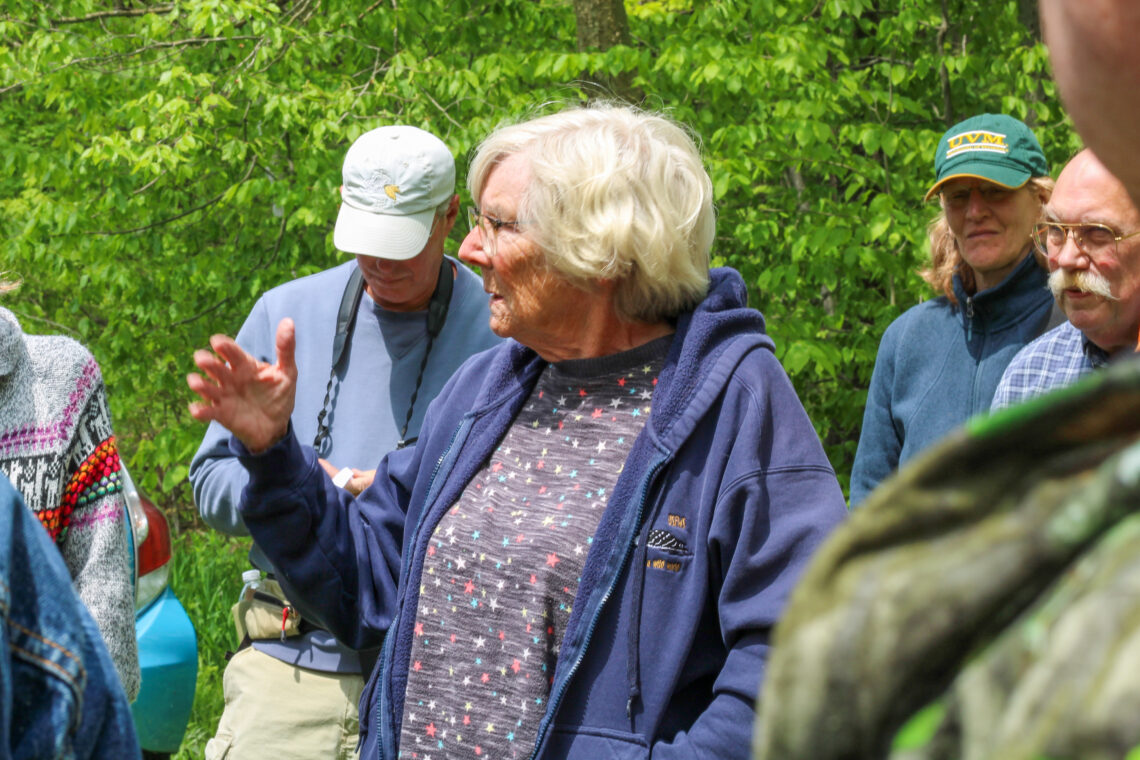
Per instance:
(218,747)
(267,615)
(585,743)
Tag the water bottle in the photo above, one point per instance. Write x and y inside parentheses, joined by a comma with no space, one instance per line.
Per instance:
(252,580)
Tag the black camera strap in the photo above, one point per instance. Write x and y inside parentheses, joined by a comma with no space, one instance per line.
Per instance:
(346,322)
(437,315)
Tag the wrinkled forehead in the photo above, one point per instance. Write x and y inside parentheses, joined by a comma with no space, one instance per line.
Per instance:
(505,184)
(1087,192)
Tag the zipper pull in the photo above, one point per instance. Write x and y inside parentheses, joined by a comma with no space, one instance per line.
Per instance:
(285,619)
(969,318)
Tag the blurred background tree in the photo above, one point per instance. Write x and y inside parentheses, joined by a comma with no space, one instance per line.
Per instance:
(165,163)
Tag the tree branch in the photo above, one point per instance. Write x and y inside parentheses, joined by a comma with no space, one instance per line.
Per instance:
(368,10)
(876,60)
(176,217)
(118,56)
(112,13)
(25,317)
(200,314)
(442,110)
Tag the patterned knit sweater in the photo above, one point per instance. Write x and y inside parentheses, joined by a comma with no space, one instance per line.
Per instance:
(57,448)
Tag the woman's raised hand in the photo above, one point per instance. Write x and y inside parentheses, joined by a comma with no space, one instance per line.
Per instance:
(250,398)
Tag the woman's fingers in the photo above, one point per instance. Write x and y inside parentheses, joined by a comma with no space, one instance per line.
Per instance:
(233,355)
(286,341)
(215,368)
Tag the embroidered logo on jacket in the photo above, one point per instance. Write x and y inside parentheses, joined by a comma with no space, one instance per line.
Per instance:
(667,542)
(663,540)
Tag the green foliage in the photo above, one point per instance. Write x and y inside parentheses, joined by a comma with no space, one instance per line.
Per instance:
(206,576)
(163,168)
(917,732)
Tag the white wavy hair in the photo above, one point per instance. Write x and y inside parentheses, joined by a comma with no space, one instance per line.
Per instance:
(616,194)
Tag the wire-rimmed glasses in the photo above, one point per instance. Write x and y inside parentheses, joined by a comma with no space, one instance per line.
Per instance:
(1091,238)
(489,227)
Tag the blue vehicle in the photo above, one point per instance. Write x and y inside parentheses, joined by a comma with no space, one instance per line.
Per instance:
(168,645)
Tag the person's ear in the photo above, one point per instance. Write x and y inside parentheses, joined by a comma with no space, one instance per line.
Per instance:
(451,216)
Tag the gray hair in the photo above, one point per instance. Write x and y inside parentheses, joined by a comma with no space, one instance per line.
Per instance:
(616,194)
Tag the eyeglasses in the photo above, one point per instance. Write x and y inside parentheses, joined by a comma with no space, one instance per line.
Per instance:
(489,227)
(959,197)
(1092,239)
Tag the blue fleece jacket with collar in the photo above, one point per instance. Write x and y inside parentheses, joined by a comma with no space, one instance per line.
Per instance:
(939,364)
(665,649)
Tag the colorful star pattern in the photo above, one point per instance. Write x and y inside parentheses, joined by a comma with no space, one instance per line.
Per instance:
(503,565)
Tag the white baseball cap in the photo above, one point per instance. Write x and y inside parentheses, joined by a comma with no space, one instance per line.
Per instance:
(394,180)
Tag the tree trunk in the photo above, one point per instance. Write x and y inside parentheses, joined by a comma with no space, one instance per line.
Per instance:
(1027,15)
(944,74)
(601,25)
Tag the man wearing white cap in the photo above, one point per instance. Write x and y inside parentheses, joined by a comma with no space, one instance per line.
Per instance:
(377,338)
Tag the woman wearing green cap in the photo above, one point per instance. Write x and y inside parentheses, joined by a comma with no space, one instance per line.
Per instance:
(940,362)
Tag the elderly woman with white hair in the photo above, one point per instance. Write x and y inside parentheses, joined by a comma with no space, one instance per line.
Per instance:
(586,551)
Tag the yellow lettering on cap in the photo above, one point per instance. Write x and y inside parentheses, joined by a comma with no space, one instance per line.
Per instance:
(977,140)
(391,190)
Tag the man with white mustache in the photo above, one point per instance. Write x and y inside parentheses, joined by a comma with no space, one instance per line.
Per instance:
(1091,238)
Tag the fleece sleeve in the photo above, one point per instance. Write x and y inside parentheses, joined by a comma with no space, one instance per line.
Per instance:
(780,502)
(880,442)
(338,557)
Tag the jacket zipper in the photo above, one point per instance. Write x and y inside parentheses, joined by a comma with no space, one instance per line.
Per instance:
(969,318)
(405,571)
(553,704)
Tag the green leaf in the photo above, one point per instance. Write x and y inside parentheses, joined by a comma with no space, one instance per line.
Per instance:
(917,732)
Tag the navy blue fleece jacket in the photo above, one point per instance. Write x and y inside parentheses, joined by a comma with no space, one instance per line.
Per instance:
(665,649)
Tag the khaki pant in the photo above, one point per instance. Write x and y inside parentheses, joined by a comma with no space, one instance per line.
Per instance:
(279,711)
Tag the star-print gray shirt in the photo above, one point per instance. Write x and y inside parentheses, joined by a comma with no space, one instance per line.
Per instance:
(504,563)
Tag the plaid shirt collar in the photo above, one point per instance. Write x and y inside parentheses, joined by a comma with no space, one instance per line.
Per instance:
(1095,354)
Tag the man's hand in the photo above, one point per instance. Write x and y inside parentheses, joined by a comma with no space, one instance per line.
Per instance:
(250,398)
(360,479)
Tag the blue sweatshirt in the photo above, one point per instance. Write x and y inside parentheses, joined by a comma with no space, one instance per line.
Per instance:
(665,648)
(369,406)
(371,395)
(938,365)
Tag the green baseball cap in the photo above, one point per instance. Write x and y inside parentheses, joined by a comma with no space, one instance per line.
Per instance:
(993,147)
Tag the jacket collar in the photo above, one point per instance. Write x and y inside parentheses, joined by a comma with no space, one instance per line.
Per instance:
(1010,300)
(710,341)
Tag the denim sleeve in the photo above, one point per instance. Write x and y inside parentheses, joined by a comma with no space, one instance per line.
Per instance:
(61,693)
